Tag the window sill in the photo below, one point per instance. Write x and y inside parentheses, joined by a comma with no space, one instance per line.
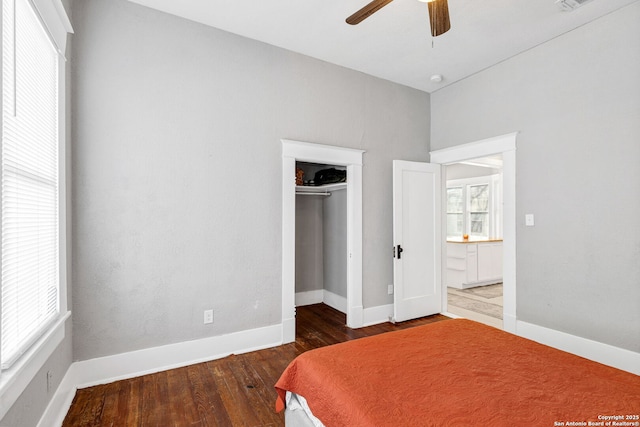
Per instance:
(15,380)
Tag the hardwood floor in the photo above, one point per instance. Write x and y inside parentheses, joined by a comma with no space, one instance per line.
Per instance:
(234,391)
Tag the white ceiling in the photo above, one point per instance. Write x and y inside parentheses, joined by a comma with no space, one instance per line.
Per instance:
(395,43)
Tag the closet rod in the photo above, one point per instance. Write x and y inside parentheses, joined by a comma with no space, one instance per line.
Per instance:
(303,193)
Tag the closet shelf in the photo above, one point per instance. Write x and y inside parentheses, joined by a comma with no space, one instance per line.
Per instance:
(322,189)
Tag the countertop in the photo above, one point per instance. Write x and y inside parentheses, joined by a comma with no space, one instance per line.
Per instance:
(472,240)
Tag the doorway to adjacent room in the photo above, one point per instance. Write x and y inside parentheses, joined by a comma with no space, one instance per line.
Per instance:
(473,207)
(504,145)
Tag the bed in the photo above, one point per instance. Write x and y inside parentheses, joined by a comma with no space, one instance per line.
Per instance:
(453,373)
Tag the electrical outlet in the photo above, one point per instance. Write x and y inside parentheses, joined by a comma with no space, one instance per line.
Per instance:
(208,316)
(49,381)
(390,289)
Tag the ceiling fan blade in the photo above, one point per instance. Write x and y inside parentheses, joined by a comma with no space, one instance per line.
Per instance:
(439,17)
(367,11)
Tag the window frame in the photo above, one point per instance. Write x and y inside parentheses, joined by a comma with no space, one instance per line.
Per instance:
(469,212)
(14,380)
(462,212)
(494,208)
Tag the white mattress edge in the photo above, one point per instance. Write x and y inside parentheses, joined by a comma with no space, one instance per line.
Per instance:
(295,402)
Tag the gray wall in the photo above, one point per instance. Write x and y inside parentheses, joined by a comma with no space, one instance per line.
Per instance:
(576,103)
(334,230)
(321,243)
(309,244)
(177,170)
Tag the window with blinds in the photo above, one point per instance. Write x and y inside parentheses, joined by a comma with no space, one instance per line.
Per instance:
(30,219)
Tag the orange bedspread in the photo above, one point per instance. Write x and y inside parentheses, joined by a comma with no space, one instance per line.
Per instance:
(458,373)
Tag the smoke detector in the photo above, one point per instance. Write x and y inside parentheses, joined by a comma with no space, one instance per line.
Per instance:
(569,5)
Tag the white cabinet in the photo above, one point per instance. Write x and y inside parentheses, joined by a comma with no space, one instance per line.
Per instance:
(462,264)
(472,264)
(490,261)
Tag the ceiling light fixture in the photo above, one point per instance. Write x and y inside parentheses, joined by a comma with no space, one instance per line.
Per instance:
(436,78)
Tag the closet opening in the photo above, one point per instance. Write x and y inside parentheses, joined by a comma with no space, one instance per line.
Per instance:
(295,154)
(321,235)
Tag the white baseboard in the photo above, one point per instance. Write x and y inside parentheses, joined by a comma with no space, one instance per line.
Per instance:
(309,297)
(288,330)
(335,301)
(107,369)
(61,401)
(509,323)
(354,317)
(321,296)
(603,353)
(377,315)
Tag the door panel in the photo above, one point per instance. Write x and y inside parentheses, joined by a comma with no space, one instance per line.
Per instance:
(416,230)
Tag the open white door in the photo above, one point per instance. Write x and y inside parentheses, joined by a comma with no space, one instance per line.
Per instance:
(417,240)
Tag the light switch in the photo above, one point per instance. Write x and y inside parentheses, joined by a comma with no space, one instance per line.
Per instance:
(528,220)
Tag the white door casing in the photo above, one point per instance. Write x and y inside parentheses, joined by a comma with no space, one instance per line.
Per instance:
(417,240)
(293,151)
(505,145)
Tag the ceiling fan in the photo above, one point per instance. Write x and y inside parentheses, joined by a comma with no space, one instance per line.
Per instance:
(438,14)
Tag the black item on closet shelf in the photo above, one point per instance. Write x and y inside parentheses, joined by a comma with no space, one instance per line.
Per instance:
(330,176)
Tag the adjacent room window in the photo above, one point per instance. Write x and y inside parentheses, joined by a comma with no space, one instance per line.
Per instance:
(455,211)
(473,207)
(479,210)
(30,181)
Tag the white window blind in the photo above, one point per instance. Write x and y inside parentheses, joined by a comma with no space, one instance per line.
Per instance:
(30,231)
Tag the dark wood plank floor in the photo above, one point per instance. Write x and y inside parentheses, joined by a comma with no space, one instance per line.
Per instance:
(234,391)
